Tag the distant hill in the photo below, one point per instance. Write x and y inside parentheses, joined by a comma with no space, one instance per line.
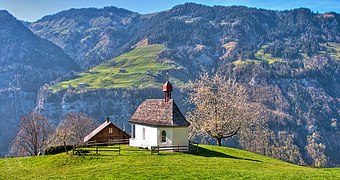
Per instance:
(26,63)
(210,162)
(89,36)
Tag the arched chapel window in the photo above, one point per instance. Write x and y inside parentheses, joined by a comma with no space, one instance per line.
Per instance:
(163,136)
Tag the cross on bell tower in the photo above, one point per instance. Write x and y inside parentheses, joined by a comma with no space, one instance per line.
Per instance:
(167,88)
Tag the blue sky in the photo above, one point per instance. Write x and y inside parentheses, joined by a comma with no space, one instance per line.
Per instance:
(32,10)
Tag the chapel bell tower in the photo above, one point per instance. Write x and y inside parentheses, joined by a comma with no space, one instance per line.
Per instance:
(167,88)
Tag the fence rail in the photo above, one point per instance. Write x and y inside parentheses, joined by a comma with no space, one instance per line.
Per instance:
(109,143)
(99,146)
(108,146)
(192,147)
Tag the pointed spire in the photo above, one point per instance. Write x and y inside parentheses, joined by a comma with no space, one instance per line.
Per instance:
(167,88)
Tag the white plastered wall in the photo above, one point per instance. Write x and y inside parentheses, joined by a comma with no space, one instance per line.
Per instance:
(150,138)
(181,136)
(153,136)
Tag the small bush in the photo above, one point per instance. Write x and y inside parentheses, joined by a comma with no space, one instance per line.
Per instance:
(57,149)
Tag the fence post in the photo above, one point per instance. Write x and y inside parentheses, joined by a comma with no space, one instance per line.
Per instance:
(119,149)
(178,149)
(97,149)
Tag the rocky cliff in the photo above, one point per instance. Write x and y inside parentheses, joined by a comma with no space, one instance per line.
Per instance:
(118,104)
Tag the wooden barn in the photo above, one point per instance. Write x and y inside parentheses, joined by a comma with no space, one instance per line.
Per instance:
(106,132)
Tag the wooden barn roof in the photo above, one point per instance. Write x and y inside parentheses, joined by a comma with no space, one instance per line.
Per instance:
(100,128)
(157,112)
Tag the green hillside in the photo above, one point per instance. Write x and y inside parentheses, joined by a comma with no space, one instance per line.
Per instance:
(137,67)
(260,55)
(211,162)
(333,49)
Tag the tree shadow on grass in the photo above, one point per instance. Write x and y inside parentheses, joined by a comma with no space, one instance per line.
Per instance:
(210,153)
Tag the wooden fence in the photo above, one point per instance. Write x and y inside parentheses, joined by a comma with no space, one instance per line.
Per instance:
(192,147)
(97,149)
(108,143)
(93,146)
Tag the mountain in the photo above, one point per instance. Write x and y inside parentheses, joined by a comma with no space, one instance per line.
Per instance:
(288,60)
(26,63)
(227,33)
(89,36)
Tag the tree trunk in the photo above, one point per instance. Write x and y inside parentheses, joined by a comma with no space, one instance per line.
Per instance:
(65,147)
(219,141)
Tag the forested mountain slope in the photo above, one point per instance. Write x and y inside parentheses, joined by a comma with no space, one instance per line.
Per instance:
(230,33)
(26,63)
(90,36)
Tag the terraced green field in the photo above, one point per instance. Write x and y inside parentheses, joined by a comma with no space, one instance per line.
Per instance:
(211,162)
(135,68)
(333,49)
(260,56)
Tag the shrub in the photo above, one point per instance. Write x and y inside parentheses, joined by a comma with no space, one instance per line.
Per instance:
(57,149)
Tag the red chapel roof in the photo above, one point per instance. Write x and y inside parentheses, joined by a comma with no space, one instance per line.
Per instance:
(157,112)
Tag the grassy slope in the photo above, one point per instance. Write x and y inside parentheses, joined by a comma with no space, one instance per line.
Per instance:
(334,48)
(260,56)
(139,63)
(211,162)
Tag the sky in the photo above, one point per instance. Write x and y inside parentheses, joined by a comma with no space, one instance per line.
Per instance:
(31,10)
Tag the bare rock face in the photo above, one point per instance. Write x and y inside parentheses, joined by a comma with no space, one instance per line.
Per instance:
(26,63)
(118,104)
